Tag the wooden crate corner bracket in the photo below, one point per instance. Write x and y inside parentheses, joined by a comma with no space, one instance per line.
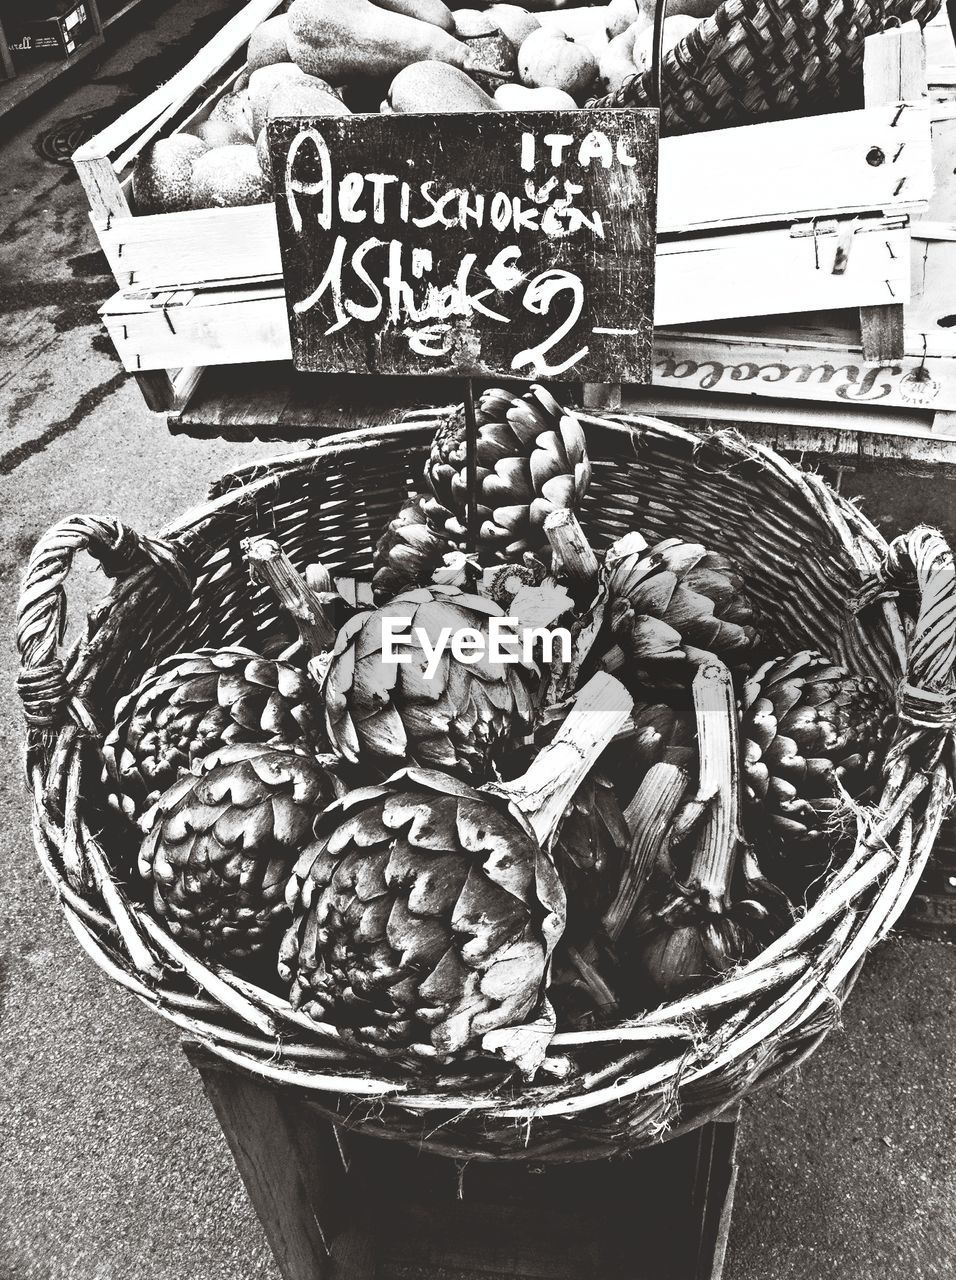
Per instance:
(894,72)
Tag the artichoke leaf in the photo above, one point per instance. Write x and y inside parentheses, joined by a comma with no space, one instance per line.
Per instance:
(383,735)
(505,849)
(363,873)
(485,918)
(433,825)
(526,1045)
(400,809)
(421,941)
(437,885)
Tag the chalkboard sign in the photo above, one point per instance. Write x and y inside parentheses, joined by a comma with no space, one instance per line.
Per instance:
(518,244)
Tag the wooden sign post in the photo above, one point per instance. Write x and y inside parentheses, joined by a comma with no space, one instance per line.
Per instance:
(511,244)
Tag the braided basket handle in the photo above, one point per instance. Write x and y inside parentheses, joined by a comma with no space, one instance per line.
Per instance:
(928,693)
(41,614)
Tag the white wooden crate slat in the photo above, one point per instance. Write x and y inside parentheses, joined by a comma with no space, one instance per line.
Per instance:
(807,415)
(940,53)
(761,174)
(777,172)
(697,280)
(762,272)
(251,329)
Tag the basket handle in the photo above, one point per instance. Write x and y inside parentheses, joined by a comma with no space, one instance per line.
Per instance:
(927,696)
(41,614)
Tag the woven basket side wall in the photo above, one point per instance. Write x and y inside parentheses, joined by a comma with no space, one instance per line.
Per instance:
(615,1129)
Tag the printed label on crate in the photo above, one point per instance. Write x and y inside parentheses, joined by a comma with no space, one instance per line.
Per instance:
(59,33)
(517,244)
(810,375)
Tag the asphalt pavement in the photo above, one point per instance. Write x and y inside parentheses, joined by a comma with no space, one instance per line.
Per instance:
(111,1165)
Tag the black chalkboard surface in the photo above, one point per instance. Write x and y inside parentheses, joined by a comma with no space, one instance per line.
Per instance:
(519,244)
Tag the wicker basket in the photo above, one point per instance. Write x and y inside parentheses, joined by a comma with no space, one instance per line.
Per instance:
(767,60)
(806,553)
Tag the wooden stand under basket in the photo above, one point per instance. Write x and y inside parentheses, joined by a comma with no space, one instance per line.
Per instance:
(335,1206)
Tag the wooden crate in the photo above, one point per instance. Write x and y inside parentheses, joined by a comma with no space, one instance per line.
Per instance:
(104,164)
(818,357)
(790,217)
(790,379)
(808,370)
(335,1206)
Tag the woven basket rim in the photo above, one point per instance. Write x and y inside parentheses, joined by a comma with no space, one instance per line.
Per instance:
(859,904)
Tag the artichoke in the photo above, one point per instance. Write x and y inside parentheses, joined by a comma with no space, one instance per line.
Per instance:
(808,729)
(426,911)
(683,947)
(221,844)
(673,605)
(591,979)
(192,703)
(532,460)
(408,552)
(588,852)
(683,937)
(388,713)
(419,922)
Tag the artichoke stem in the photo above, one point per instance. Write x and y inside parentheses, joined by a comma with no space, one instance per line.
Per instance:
(502,582)
(571,547)
(688,822)
(269,564)
(614,659)
(584,962)
(712,865)
(648,817)
(318,579)
(545,791)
